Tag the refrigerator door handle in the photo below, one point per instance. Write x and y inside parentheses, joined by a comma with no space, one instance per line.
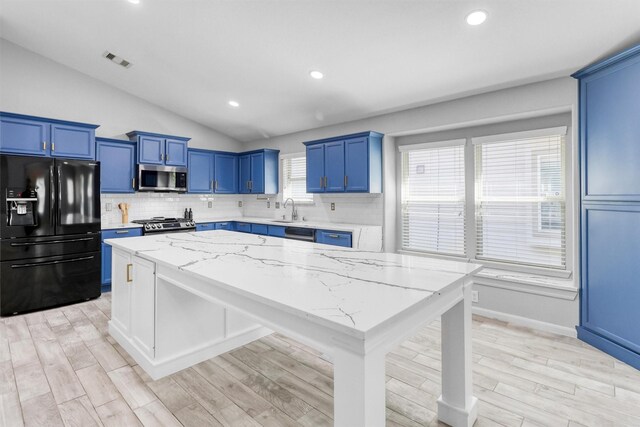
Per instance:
(51,242)
(58,190)
(52,192)
(36,264)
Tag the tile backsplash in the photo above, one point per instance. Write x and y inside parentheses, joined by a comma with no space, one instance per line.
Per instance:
(148,205)
(366,209)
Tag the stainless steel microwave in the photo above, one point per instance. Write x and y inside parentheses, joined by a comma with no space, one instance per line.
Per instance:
(162,178)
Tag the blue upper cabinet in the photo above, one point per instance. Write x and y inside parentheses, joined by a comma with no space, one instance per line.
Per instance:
(225,173)
(150,150)
(175,152)
(73,141)
(259,172)
(610,205)
(315,168)
(212,172)
(334,167)
(159,149)
(349,163)
(38,136)
(200,171)
(245,174)
(117,165)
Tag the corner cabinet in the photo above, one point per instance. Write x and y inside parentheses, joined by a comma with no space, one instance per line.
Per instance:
(117,165)
(345,164)
(259,172)
(610,205)
(39,136)
(212,172)
(159,149)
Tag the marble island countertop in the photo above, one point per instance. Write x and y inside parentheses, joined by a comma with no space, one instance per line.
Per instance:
(349,290)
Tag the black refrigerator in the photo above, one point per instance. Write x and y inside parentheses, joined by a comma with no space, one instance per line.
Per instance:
(49,232)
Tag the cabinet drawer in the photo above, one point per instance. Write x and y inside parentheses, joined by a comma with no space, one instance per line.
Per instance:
(206,226)
(229,225)
(259,229)
(335,238)
(243,227)
(125,232)
(276,231)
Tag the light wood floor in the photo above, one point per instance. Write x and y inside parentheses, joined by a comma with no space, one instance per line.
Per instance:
(61,367)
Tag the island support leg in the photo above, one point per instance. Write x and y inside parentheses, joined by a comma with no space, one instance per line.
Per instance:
(457,405)
(358,389)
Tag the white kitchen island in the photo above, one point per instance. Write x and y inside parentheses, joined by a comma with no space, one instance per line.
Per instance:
(179,299)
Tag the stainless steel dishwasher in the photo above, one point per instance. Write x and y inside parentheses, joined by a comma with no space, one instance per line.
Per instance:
(300,233)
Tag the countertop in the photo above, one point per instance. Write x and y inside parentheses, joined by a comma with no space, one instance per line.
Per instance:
(303,224)
(346,289)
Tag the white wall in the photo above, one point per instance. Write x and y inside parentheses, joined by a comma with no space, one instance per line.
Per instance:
(32,84)
(522,102)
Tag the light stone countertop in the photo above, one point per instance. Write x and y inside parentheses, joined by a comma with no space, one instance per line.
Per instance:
(349,290)
(118,225)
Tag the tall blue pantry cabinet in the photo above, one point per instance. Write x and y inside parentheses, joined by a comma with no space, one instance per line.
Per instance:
(610,196)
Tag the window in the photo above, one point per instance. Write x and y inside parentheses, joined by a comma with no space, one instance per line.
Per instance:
(433,198)
(520,200)
(515,185)
(294,179)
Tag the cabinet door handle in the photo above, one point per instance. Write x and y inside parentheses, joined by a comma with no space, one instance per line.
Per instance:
(53,146)
(346,180)
(215,185)
(250,185)
(44,145)
(334,236)
(133,183)
(129,273)
(122,232)
(211,185)
(166,157)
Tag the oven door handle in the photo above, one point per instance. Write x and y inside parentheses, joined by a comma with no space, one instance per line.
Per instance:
(37,264)
(51,242)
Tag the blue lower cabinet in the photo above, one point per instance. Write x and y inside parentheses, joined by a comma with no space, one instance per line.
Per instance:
(276,231)
(205,226)
(228,225)
(259,229)
(243,227)
(336,238)
(106,251)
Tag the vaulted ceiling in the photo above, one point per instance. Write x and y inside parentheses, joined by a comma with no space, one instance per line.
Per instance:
(377,56)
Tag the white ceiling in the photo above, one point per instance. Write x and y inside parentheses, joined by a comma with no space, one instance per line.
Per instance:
(191,57)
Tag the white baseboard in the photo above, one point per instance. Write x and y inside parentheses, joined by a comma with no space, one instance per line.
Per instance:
(524,321)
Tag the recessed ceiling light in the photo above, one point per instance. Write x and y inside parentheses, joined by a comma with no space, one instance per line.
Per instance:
(316,74)
(134,1)
(476,17)
(234,104)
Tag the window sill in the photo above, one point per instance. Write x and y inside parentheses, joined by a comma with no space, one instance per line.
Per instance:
(537,284)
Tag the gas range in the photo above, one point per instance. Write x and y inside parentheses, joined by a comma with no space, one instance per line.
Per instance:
(166,225)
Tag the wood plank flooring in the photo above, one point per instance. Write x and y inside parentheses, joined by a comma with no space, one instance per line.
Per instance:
(61,367)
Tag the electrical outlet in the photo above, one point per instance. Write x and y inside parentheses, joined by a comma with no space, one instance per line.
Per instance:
(107,207)
(475,295)
(277,205)
(240,204)
(333,206)
(268,205)
(209,205)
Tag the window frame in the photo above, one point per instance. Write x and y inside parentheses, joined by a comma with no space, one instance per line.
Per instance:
(283,157)
(571,188)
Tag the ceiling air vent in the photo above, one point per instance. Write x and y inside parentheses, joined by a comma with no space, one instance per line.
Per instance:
(117,60)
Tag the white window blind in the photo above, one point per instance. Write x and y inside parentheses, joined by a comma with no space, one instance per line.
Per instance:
(294,178)
(520,200)
(433,199)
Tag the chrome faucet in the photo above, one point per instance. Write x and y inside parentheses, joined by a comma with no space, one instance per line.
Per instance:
(294,212)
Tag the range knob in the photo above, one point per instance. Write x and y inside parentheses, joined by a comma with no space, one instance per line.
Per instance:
(159,226)
(147,226)
(153,226)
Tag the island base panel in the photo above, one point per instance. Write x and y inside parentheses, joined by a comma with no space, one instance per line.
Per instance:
(457,406)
